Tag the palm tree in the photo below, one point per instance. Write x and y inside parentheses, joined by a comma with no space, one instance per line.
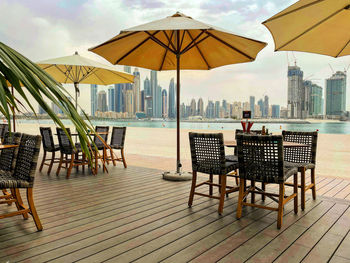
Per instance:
(19,73)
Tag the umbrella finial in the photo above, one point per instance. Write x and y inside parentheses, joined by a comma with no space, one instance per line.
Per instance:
(76,53)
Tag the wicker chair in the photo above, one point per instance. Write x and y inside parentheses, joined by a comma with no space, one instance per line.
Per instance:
(303,158)
(4,128)
(117,143)
(208,156)
(260,159)
(67,150)
(22,176)
(49,147)
(7,158)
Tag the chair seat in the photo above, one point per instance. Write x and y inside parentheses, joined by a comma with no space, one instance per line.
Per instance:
(288,172)
(116,146)
(299,165)
(8,181)
(54,149)
(231,158)
(214,169)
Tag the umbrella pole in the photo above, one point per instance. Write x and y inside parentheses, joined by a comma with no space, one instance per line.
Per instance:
(76,94)
(178,116)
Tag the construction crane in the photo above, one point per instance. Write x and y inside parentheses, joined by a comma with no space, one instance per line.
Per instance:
(331,68)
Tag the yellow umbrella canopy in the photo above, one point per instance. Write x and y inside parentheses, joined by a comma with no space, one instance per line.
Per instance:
(161,44)
(315,26)
(77,69)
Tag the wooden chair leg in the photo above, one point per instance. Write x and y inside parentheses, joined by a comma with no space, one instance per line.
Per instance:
(222,193)
(71,164)
(19,202)
(240,199)
(313,181)
(60,164)
(237,182)
(123,158)
(42,162)
(263,187)
(84,160)
(112,156)
(219,182)
(280,206)
(193,187)
(51,163)
(295,187)
(302,192)
(253,194)
(33,209)
(210,186)
(7,195)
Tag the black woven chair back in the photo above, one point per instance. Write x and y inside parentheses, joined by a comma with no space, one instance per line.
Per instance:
(4,128)
(300,154)
(27,158)
(118,136)
(8,156)
(207,152)
(64,142)
(48,142)
(260,158)
(101,129)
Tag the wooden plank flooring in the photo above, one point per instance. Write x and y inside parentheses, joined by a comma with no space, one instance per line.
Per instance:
(133,215)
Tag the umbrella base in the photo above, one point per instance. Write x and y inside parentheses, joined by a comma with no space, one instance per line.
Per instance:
(174,176)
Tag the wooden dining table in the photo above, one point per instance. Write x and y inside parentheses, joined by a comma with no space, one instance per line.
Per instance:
(7,146)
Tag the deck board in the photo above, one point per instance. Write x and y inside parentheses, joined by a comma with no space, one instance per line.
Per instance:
(133,215)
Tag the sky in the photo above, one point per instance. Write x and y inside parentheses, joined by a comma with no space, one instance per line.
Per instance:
(42,29)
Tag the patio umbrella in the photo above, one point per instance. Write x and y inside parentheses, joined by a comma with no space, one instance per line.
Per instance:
(315,26)
(77,69)
(178,42)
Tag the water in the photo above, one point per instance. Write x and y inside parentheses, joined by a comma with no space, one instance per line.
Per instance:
(322,127)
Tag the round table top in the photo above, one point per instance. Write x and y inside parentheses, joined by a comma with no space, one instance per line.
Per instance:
(285,144)
(8,146)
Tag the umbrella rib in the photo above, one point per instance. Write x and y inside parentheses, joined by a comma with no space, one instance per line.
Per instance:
(230,46)
(159,42)
(64,73)
(113,40)
(182,39)
(193,41)
(87,73)
(134,48)
(292,11)
(93,72)
(342,49)
(169,39)
(309,29)
(115,73)
(166,50)
(196,45)
(70,74)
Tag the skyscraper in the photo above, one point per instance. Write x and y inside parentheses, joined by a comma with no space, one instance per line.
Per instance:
(172,113)
(336,94)
(102,101)
(93,98)
(142,101)
(111,99)
(129,103)
(217,109)
(261,107)
(316,100)
(266,106)
(210,110)
(136,90)
(224,107)
(119,97)
(193,111)
(275,111)
(158,98)
(252,105)
(297,93)
(164,103)
(154,88)
(200,107)
(148,98)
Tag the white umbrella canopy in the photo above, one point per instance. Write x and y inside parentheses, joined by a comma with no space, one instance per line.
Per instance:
(178,42)
(315,26)
(77,69)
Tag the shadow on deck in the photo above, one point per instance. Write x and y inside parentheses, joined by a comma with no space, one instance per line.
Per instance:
(133,215)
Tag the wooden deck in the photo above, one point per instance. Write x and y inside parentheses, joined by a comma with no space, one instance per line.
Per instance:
(133,215)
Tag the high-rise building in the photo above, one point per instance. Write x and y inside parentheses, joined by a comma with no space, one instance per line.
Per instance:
(217,109)
(129,103)
(56,109)
(41,110)
(164,103)
(119,97)
(297,94)
(336,94)
(193,111)
(275,111)
(158,98)
(252,105)
(183,110)
(172,96)
(154,88)
(200,107)
(266,106)
(136,90)
(111,99)
(142,101)
(210,110)
(261,107)
(148,98)
(93,98)
(315,105)
(102,101)
(224,106)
